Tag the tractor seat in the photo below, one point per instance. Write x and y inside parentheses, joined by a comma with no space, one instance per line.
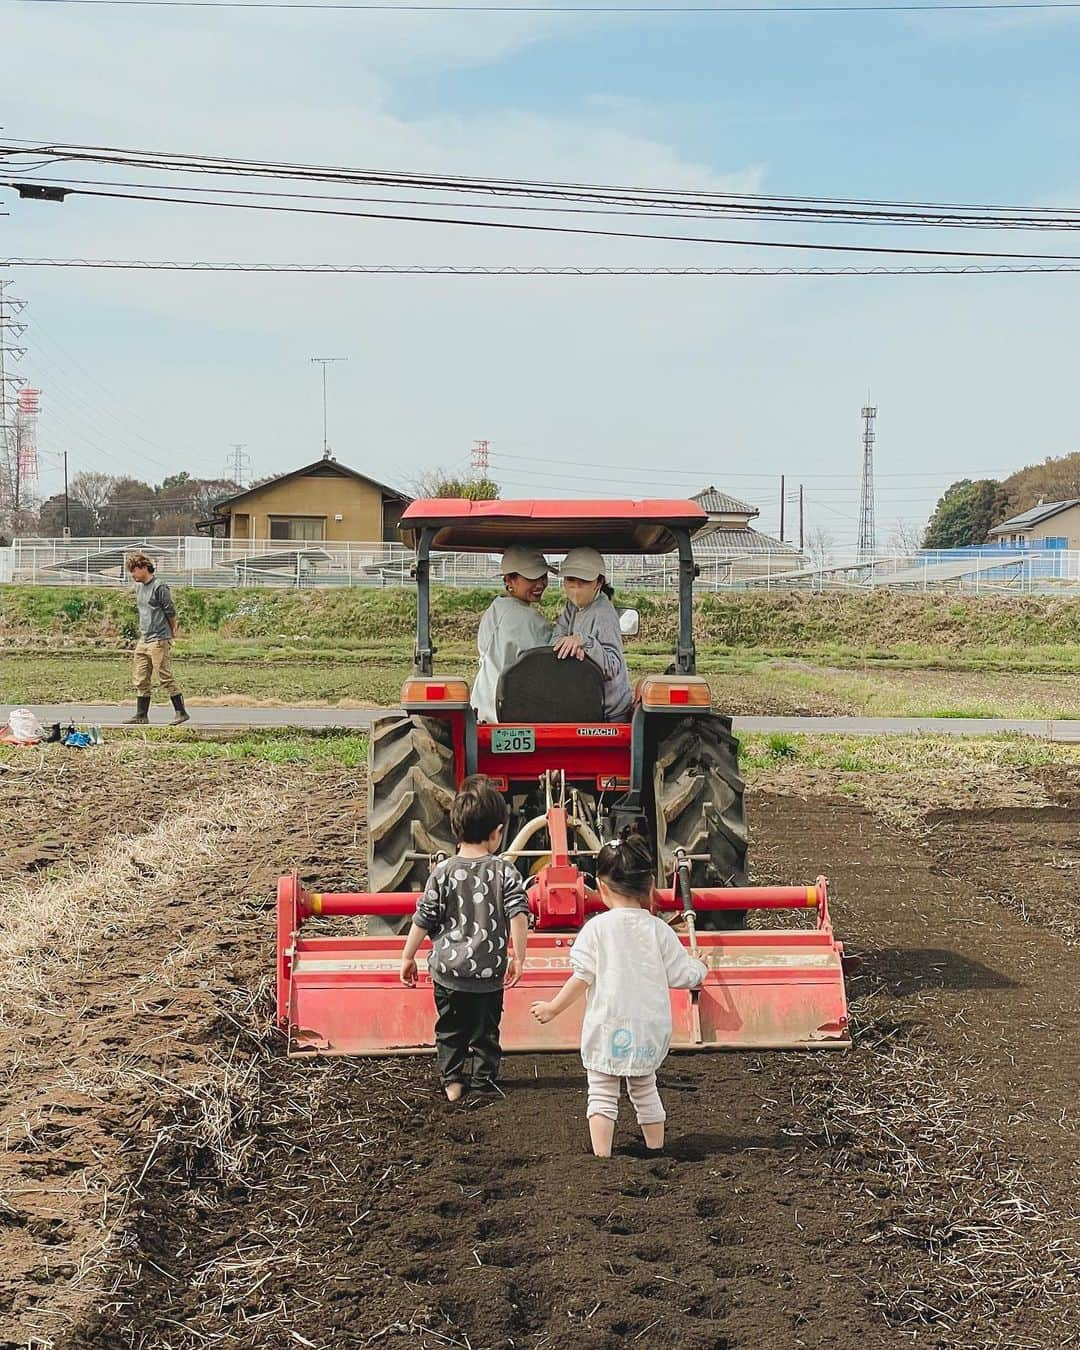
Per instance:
(539,687)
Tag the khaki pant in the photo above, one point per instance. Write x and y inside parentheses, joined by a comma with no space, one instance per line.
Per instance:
(154,658)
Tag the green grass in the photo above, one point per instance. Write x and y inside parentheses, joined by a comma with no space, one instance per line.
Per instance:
(872,625)
(320,751)
(904,755)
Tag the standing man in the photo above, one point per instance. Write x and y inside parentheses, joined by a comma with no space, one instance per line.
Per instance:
(157,633)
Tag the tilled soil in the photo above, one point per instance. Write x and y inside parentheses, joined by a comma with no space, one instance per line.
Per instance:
(215,1193)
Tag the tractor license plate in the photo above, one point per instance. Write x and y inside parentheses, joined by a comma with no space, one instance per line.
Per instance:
(513,740)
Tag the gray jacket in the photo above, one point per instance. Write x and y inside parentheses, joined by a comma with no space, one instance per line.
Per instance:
(601,639)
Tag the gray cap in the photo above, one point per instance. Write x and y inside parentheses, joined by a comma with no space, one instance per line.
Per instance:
(584,563)
(526,562)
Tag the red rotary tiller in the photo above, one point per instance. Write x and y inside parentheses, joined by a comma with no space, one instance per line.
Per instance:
(766,989)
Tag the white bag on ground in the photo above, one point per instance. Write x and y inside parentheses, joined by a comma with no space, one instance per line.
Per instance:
(24,726)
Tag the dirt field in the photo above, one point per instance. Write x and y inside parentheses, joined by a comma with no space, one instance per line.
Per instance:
(168,1180)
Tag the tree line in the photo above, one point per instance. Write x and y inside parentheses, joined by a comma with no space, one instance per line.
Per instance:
(970,508)
(107,505)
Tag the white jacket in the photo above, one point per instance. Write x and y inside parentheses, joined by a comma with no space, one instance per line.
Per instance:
(509,628)
(629,958)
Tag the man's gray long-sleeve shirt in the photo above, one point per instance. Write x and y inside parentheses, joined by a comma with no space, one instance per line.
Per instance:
(156,608)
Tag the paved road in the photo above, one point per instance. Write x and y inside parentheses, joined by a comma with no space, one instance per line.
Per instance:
(233,719)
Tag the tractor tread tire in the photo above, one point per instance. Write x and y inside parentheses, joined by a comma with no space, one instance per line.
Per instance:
(411,784)
(698,794)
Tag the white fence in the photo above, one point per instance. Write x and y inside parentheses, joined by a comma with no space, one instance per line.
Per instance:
(201,561)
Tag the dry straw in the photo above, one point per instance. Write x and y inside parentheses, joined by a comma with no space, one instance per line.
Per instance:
(52,929)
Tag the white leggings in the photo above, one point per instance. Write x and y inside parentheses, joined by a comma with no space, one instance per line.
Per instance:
(604,1097)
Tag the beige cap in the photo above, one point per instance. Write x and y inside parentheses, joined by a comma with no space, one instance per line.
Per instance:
(584,563)
(526,562)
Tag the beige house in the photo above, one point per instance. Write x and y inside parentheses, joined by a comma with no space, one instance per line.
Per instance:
(1048,525)
(324,502)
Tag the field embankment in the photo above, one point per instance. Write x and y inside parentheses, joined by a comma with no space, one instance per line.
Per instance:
(879,654)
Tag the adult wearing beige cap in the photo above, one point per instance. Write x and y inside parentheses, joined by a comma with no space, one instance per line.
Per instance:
(588,628)
(511,625)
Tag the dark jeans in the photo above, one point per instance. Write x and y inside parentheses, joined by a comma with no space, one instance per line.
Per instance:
(468,1024)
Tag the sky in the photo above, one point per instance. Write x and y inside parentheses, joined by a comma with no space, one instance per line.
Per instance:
(583,386)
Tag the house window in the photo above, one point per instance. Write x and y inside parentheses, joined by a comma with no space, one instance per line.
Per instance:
(300,528)
(1055,541)
(241,525)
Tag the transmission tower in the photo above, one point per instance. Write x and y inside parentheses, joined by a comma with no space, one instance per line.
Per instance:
(10,483)
(238,467)
(480,457)
(867,533)
(26,456)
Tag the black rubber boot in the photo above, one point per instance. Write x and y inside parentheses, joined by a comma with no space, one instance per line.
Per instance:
(142,711)
(182,714)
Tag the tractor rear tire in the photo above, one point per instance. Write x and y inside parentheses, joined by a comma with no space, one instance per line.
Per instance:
(698,794)
(411,783)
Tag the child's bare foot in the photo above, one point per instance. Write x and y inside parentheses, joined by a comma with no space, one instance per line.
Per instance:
(455,1091)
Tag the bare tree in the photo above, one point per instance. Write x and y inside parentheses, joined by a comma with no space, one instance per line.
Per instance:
(819,545)
(905,537)
(94,491)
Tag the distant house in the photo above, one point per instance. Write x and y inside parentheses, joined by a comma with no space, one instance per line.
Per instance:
(322,502)
(728,531)
(1048,525)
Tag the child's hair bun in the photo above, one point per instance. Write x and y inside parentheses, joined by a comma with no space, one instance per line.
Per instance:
(627,866)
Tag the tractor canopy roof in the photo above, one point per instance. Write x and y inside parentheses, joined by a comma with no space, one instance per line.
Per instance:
(611,526)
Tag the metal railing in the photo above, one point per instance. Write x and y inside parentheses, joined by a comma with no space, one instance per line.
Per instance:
(204,562)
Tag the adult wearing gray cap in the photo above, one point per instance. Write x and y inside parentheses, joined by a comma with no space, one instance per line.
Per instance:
(588,627)
(511,625)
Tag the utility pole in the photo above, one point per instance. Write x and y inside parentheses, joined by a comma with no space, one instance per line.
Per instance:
(782,508)
(325,361)
(867,533)
(67,513)
(802,516)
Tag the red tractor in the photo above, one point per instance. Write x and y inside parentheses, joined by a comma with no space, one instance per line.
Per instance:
(572,781)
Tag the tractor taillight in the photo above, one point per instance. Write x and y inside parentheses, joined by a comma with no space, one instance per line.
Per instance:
(446,693)
(659,692)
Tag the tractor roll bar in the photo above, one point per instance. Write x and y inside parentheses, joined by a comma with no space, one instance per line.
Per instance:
(424,655)
(685,651)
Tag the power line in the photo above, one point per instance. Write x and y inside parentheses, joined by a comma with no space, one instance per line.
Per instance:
(902,8)
(392,269)
(642,207)
(238,167)
(405,218)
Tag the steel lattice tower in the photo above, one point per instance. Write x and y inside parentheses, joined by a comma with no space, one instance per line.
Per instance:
(867,533)
(10,486)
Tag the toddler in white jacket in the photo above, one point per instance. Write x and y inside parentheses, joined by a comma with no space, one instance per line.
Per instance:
(623,963)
